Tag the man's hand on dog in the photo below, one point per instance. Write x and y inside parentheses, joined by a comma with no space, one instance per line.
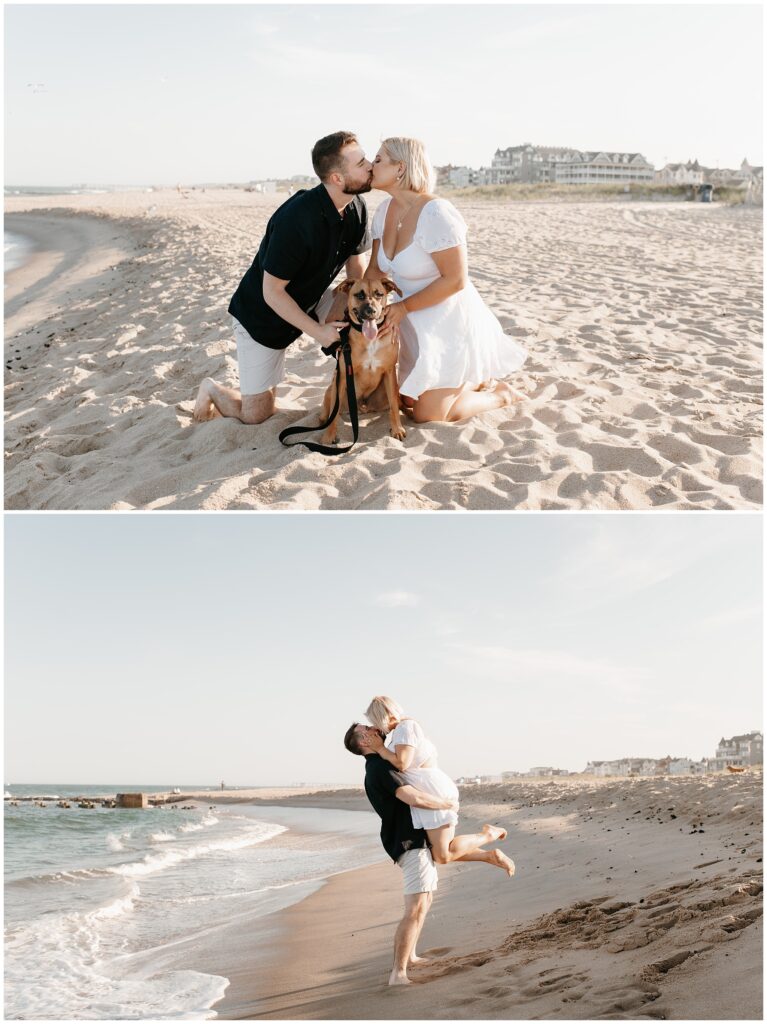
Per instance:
(327,333)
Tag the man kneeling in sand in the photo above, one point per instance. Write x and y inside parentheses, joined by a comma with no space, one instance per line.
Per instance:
(286,290)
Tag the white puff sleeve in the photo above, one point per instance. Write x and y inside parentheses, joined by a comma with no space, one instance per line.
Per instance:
(440,226)
(408,732)
(378,219)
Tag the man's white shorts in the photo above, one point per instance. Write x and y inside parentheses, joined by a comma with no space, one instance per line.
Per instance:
(418,870)
(262,368)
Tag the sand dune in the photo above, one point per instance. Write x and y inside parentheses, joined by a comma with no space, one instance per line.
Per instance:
(643,323)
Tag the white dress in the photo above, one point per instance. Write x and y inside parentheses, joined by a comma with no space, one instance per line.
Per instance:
(459,340)
(430,780)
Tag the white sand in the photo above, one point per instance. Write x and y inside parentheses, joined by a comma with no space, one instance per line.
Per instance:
(643,322)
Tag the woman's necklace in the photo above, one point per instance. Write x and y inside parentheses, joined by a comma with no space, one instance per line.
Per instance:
(403,218)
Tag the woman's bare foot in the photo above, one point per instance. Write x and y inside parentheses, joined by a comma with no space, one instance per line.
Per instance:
(399,978)
(506,392)
(414,960)
(502,861)
(203,407)
(495,832)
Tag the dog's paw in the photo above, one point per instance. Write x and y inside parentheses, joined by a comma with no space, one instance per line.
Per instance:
(398,432)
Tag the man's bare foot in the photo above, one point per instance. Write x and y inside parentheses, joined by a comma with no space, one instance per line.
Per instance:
(502,861)
(495,832)
(203,407)
(399,978)
(415,960)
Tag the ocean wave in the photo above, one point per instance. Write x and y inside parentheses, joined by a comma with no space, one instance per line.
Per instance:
(162,837)
(195,826)
(154,862)
(115,842)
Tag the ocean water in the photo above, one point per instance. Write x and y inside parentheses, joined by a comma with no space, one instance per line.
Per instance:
(15,251)
(97,901)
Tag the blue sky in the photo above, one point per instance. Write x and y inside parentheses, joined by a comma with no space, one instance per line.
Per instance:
(200,647)
(155,94)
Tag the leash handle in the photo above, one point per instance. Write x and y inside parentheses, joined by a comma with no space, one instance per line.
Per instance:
(337,349)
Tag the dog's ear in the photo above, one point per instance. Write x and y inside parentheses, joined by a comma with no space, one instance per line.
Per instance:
(346,286)
(390,286)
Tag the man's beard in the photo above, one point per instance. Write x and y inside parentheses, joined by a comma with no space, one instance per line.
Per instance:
(356,190)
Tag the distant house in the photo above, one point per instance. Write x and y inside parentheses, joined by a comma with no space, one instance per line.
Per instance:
(685,766)
(690,173)
(739,751)
(525,163)
(603,168)
(462,177)
(507,776)
(624,766)
(546,772)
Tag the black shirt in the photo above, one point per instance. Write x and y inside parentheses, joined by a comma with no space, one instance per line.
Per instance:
(397,831)
(306,243)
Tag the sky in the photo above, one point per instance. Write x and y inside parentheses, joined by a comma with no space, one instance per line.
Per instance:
(161,94)
(181,649)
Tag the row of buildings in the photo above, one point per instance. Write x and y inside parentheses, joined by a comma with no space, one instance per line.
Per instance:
(738,751)
(530,164)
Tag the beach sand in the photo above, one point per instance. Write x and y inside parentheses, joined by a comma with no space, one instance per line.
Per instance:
(632,899)
(643,322)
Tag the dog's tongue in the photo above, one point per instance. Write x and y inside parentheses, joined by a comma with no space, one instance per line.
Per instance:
(370,329)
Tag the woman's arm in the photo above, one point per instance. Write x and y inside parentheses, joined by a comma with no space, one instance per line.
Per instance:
(372,268)
(428,801)
(401,757)
(453,278)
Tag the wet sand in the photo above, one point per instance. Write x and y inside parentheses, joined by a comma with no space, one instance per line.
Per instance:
(632,899)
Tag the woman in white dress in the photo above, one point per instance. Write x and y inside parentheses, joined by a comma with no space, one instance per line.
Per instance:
(415,757)
(452,347)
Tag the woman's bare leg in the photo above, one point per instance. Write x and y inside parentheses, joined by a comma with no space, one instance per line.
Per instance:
(446,846)
(497,858)
(448,405)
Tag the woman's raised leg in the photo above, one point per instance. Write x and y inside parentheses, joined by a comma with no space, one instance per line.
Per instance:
(446,846)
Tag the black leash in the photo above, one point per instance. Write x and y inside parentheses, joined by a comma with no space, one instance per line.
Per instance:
(339,348)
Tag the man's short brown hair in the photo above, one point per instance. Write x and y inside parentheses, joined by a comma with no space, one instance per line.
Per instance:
(326,154)
(352,740)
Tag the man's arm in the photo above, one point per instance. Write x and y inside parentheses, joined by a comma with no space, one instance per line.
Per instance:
(288,309)
(356,267)
(417,798)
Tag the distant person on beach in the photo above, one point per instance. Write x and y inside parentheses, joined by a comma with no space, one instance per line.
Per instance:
(452,346)
(392,798)
(286,291)
(414,756)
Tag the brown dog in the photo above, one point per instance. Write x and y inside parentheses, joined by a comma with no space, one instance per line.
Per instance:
(374,359)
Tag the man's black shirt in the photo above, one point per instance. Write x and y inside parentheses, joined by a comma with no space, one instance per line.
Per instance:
(306,242)
(397,832)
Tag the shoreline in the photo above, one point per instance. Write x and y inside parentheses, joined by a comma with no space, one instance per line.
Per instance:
(642,321)
(654,919)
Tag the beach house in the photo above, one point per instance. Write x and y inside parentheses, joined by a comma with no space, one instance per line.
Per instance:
(739,751)
(690,173)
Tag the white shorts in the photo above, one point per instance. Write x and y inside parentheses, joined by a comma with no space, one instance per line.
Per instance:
(262,368)
(419,871)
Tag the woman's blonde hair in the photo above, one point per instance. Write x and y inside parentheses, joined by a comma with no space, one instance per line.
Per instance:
(380,710)
(419,174)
